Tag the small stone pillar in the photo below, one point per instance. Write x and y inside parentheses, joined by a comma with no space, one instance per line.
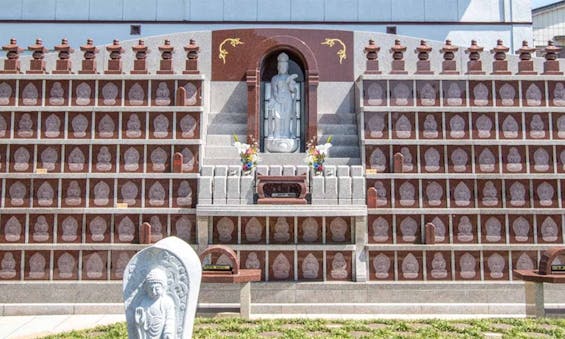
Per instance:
(500,64)
(423,63)
(180,97)
(398,58)
(372,197)
(371,52)
(551,64)
(145,233)
(37,64)
(115,62)
(177,162)
(89,61)
(474,65)
(526,64)
(430,235)
(192,50)
(398,161)
(449,65)
(63,64)
(166,64)
(139,64)
(12,62)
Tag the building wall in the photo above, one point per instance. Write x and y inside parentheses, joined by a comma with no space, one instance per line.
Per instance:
(458,20)
(549,24)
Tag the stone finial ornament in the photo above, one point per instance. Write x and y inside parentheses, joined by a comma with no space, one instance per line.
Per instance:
(423,63)
(474,65)
(166,63)
(449,65)
(115,62)
(192,50)
(139,64)
(551,64)
(526,64)
(37,64)
(500,64)
(372,53)
(398,58)
(12,62)
(63,64)
(89,57)
(160,288)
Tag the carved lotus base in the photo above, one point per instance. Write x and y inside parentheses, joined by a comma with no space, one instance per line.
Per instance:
(278,145)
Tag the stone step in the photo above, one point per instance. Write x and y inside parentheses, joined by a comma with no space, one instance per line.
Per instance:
(344,152)
(282,160)
(221,152)
(337,118)
(337,129)
(227,118)
(340,140)
(223,139)
(229,129)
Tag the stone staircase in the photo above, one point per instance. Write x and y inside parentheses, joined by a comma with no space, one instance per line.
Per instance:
(222,127)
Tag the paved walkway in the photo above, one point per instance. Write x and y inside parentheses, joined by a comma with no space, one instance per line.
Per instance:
(33,326)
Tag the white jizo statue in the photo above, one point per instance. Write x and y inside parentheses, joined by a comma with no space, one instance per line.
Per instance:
(281,109)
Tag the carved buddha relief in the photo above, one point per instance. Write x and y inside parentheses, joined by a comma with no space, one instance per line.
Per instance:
(549,230)
(157,194)
(378,160)
(281,267)
(56,94)
(507,94)
(403,127)
(310,267)
(459,158)
(253,230)
(541,160)
(430,127)
(400,93)
(493,229)
(40,229)
(184,194)
(537,127)
(183,226)
(432,160)
(496,264)
(484,126)
(407,193)
(69,229)
(83,94)
(5,93)
(52,126)
(439,265)
(162,94)
(338,229)
(97,228)
(408,228)
(434,194)
(521,228)
(513,160)
(440,229)
(136,95)
(131,159)
(381,265)
(533,95)
(410,267)
(310,230)
(457,127)
(517,194)
(339,267)
(225,229)
(510,127)
(462,195)
(30,95)
(375,94)
(454,95)
(79,125)
(109,94)
(158,159)
(188,126)
(480,94)
(428,95)
(126,230)
(490,194)
(380,228)
(545,192)
(407,165)
(467,264)
(66,265)
(158,231)
(94,266)
(487,161)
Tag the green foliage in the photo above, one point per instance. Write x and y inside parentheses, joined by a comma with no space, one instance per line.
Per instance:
(234,327)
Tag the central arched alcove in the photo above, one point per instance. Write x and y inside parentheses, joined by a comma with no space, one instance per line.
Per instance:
(263,65)
(269,70)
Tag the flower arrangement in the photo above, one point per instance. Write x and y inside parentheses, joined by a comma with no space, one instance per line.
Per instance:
(316,154)
(247,153)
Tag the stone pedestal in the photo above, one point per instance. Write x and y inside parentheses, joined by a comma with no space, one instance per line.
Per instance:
(474,65)
(63,65)
(371,52)
(534,299)
(37,64)
(192,50)
(166,63)
(115,62)
(89,62)
(449,65)
(139,64)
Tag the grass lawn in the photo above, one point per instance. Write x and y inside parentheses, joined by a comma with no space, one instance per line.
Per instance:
(321,328)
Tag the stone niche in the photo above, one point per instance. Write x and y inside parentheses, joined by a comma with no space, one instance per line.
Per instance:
(310,230)
(57,93)
(376,125)
(281,230)
(381,265)
(430,125)
(110,93)
(225,230)
(310,265)
(408,229)
(432,159)
(380,229)
(524,260)
(438,264)
(281,265)
(253,230)
(253,260)
(338,266)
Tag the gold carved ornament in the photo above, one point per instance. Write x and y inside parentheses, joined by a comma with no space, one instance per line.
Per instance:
(223,53)
(340,53)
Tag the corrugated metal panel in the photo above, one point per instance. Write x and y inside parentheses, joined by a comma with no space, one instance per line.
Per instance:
(549,24)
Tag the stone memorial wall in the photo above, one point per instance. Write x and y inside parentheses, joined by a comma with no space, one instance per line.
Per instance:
(459,175)
(85,160)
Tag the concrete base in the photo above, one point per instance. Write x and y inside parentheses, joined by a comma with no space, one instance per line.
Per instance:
(280,299)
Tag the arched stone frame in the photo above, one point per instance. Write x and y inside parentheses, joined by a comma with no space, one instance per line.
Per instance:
(253,78)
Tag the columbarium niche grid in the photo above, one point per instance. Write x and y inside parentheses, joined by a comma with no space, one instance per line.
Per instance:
(290,248)
(482,158)
(84,161)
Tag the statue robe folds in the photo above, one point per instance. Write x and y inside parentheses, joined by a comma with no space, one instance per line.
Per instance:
(281,114)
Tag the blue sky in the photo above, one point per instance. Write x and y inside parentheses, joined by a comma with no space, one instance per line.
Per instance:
(539,3)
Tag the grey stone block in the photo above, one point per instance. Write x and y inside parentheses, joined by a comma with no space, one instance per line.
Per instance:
(302,170)
(358,190)
(233,190)
(221,171)
(356,171)
(275,170)
(219,196)
(329,170)
(344,190)
(247,189)
(330,190)
(289,170)
(262,170)
(205,190)
(234,170)
(317,188)
(207,171)
(342,171)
